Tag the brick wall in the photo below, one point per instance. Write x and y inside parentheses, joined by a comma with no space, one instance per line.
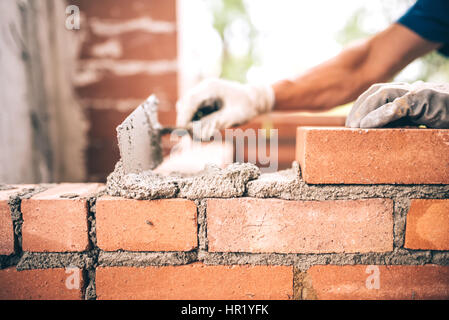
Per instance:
(129,51)
(339,239)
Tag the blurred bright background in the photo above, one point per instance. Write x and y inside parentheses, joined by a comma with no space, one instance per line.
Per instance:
(264,41)
(64,91)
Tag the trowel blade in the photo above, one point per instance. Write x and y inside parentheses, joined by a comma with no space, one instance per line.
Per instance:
(139,138)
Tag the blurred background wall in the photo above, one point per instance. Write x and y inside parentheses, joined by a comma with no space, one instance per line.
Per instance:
(63,91)
(129,50)
(42,124)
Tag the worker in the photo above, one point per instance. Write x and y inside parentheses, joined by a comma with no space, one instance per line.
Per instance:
(340,80)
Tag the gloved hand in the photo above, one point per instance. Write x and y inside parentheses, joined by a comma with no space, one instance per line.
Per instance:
(419,103)
(238,103)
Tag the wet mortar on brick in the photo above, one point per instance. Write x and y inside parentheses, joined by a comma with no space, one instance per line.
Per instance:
(210,182)
(244,179)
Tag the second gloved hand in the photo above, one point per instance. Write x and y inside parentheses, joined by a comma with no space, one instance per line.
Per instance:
(238,103)
(419,103)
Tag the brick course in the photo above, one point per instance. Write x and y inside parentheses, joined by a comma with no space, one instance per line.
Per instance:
(195,281)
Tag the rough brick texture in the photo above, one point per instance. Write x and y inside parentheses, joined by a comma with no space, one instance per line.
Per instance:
(56,219)
(157,225)
(273,225)
(428,225)
(370,156)
(195,281)
(6,230)
(6,224)
(378,282)
(6,227)
(41,284)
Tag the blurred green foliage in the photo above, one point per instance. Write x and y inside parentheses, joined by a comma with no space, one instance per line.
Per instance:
(225,13)
(432,67)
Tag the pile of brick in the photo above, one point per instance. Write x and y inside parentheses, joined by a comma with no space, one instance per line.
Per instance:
(364,216)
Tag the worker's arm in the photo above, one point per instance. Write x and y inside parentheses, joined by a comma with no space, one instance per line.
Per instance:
(335,82)
(343,78)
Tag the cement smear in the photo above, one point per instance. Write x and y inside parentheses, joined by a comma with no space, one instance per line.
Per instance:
(142,259)
(4,186)
(215,182)
(47,260)
(144,185)
(303,262)
(288,185)
(211,182)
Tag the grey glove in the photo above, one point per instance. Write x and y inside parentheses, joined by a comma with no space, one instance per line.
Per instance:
(418,103)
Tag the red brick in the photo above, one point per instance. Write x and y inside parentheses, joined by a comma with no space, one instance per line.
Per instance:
(6,229)
(118,9)
(40,284)
(6,225)
(368,156)
(136,86)
(142,225)
(395,282)
(428,225)
(135,45)
(273,225)
(54,223)
(195,281)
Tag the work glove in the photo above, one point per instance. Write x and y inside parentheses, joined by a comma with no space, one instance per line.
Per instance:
(418,103)
(220,104)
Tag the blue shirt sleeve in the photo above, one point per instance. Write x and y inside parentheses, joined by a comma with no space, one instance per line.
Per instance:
(429,19)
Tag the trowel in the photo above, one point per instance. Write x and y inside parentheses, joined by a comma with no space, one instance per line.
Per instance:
(139,135)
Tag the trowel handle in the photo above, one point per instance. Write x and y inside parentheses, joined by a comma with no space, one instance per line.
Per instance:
(207,107)
(181,131)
